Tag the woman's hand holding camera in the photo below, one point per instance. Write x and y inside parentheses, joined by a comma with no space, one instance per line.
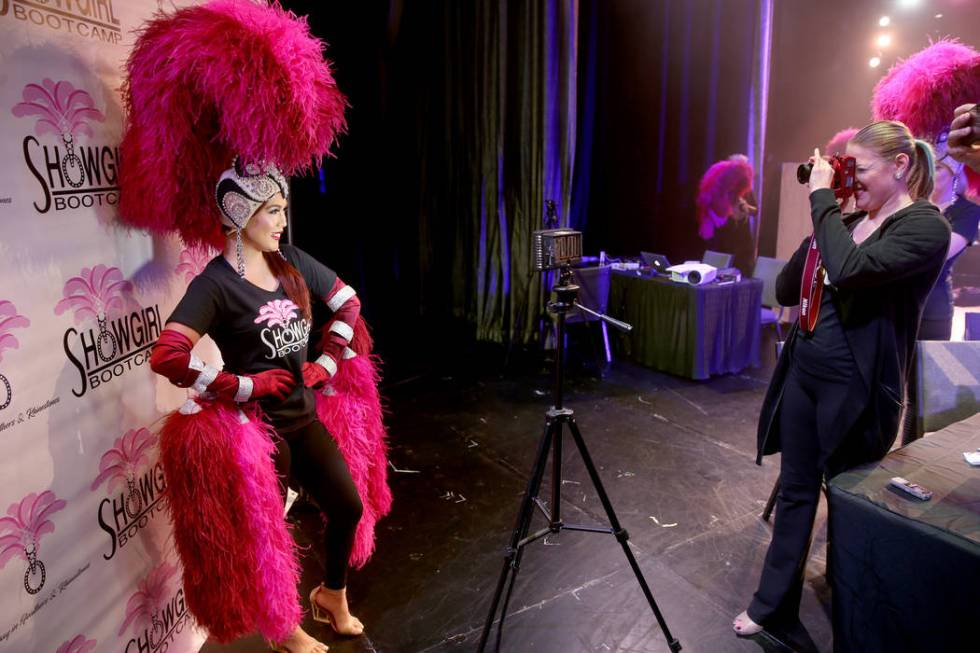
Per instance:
(822,175)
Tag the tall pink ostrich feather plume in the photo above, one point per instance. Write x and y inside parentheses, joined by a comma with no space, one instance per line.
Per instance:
(923,90)
(206,83)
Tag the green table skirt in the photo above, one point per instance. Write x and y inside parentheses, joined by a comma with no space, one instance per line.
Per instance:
(689,331)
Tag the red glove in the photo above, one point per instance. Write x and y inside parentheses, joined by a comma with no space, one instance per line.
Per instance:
(272,383)
(172,358)
(314,375)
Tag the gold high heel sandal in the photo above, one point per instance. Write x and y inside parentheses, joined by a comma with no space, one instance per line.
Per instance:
(324,616)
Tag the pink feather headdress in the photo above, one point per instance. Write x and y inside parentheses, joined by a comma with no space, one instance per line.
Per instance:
(923,90)
(206,83)
(724,182)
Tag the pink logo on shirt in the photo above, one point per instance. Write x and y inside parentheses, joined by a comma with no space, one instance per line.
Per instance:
(278,312)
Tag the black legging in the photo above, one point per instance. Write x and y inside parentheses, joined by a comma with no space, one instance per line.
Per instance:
(311,456)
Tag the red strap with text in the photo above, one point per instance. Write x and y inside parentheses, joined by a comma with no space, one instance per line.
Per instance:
(811,288)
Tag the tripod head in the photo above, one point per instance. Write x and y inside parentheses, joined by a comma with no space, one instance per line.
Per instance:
(566,292)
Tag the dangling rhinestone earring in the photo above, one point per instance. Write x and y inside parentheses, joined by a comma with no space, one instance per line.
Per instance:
(239,253)
(279,252)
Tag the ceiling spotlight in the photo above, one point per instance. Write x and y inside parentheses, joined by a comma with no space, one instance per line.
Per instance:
(874,62)
(884,40)
(908,4)
(939,15)
(884,21)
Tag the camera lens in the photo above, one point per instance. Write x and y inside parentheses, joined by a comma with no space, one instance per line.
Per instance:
(803,172)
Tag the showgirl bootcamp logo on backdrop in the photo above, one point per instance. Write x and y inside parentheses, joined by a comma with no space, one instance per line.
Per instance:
(135,487)
(71,176)
(193,260)
(89,19)
(125,330)
(78,644)
(283,334)
(155,613)
(9,320)
(27,521)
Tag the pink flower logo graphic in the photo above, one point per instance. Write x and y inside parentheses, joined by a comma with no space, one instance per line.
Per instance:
(65,111)
(93,294)
(79,644)
(22,528)
(122,463)
(9,320)
(143,607)
(193,260)
(277,312)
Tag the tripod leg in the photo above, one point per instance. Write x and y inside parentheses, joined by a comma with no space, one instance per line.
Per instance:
(621,535)
(512,558)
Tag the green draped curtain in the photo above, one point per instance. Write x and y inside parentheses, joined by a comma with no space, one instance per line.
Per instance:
(497,140)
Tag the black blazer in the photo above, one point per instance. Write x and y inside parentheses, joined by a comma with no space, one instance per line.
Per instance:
(882,285)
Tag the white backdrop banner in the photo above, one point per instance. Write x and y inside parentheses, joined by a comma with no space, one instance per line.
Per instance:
(86,553)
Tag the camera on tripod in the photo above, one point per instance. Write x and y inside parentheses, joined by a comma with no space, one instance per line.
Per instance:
(554,249)
(845,168)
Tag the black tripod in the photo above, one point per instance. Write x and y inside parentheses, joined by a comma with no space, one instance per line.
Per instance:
(556,418)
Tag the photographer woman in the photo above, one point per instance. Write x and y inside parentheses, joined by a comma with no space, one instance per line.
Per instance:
(835,397)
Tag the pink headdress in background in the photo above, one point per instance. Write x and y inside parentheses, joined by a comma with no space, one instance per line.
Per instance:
(722,184)
(838,141)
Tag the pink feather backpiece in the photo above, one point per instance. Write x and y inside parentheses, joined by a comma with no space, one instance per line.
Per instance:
(206,83)
(354,417)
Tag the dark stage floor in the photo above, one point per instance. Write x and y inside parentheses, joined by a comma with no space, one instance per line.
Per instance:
(677,459)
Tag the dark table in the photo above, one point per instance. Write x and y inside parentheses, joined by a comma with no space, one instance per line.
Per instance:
(690,331)
(906,573)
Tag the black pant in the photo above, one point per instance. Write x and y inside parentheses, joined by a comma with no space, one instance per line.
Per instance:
(807,417)
(311,456)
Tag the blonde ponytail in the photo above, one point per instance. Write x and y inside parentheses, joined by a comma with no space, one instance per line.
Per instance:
(922,171)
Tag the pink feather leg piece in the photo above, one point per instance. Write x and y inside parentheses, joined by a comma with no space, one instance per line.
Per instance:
(240,563)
